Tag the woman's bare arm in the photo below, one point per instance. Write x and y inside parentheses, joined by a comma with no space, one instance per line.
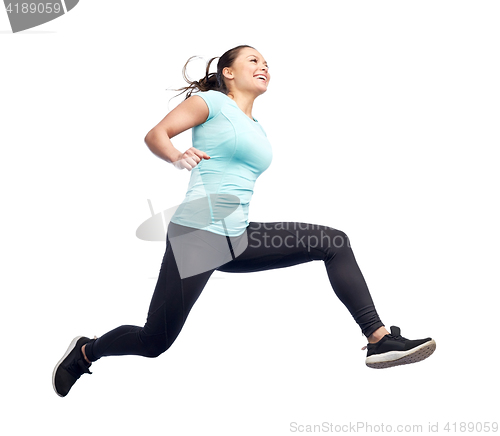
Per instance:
(188,114)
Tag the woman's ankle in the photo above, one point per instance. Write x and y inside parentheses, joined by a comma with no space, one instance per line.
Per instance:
(377,335)
(84,355)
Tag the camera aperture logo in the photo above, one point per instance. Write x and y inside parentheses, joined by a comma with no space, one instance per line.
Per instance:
(31,13)
(195,249)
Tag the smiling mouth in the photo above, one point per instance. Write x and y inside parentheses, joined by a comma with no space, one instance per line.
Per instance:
(261,77)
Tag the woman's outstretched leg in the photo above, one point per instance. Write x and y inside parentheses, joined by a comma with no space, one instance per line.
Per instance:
(172,300)
(283,244)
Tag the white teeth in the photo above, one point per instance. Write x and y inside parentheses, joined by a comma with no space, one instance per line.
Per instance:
(263,77)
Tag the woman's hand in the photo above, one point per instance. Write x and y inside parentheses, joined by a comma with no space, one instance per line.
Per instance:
(189,159)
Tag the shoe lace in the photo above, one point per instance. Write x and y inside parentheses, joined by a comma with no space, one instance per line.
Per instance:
(398,337)
(78,367)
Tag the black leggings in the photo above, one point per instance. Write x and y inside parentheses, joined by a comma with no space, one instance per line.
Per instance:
(261,247)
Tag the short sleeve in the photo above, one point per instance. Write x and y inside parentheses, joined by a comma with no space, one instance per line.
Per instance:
(214,101)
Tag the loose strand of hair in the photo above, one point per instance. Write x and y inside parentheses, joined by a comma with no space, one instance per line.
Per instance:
(204,84)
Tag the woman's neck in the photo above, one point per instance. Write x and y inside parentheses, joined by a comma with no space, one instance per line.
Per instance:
(244,101)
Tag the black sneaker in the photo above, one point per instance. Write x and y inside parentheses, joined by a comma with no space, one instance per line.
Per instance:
(71,366)
(394,350)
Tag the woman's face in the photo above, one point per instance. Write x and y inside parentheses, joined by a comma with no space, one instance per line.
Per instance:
(249,72)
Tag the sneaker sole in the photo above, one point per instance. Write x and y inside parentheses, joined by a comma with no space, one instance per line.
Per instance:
(396,358)
(69,350)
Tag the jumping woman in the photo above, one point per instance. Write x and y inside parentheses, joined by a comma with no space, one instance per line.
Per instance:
(210,230)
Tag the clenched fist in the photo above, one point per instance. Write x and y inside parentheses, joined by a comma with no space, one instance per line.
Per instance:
(189,159)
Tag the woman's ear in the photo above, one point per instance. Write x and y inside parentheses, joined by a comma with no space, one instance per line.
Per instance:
(227,73)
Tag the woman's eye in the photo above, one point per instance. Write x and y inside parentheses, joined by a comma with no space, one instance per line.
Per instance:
(255,60)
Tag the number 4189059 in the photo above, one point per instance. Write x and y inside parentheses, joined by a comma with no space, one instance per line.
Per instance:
(33,8)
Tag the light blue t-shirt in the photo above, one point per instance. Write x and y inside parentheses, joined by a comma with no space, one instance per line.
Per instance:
(220,188)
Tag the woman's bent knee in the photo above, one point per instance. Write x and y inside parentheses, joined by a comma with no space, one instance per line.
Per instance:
(337,238)
(154,346)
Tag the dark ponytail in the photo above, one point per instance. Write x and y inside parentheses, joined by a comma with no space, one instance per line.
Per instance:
(213,81)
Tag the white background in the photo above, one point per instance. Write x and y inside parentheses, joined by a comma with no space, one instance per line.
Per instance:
(384,121)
